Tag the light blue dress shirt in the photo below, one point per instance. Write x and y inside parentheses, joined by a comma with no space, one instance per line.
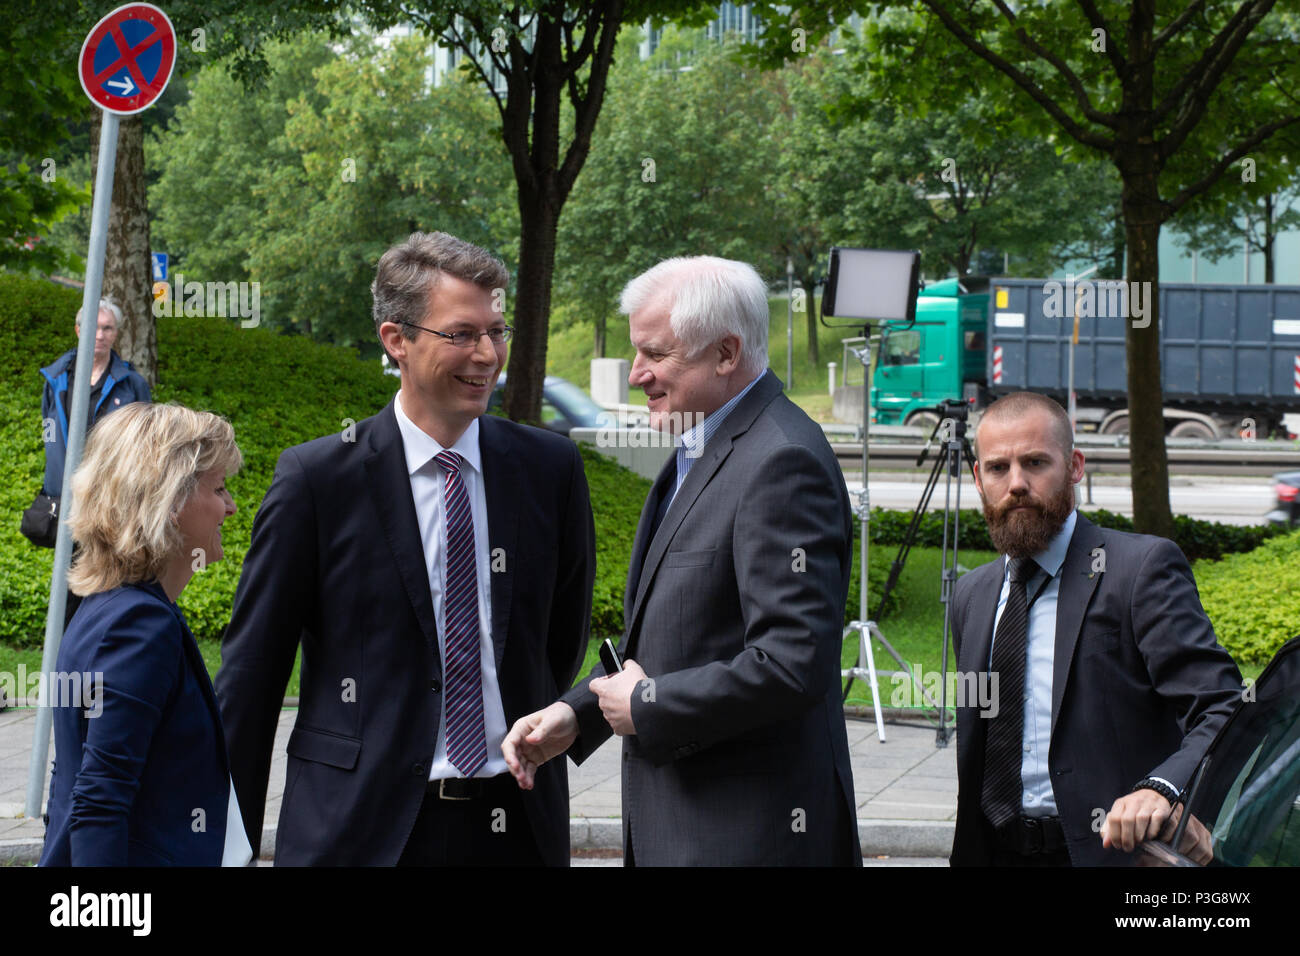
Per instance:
(692,441)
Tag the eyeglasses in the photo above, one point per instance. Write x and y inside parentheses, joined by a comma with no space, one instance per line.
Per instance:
(463,339)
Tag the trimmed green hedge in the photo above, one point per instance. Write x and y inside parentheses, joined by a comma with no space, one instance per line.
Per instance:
(282,390)
(617,495)
(1198,539)
(276,390)
(1254,599)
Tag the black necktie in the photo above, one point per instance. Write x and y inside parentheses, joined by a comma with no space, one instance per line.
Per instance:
(1003,790)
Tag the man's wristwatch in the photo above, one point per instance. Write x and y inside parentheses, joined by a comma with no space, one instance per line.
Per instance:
(1159,786)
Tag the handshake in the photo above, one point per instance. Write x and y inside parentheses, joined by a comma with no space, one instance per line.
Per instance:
(550,732)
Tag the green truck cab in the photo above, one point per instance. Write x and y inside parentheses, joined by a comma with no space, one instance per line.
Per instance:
(919,366)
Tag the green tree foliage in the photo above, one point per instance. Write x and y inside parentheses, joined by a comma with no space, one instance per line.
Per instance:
(539,60)
(339,155)
(877,168)
(40,97)
(1172,94)
(1251,207)
(683,163)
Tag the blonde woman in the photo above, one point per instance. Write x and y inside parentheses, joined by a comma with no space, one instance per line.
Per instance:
(141,776)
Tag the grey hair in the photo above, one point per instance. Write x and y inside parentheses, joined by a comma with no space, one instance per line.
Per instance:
(408,272)
(105,305)
(709,298)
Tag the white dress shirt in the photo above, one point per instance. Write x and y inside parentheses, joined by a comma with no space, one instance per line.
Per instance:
(428,481)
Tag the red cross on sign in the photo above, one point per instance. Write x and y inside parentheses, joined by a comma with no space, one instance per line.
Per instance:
(127,58)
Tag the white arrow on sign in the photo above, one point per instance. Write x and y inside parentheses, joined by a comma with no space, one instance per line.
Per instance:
(124,84)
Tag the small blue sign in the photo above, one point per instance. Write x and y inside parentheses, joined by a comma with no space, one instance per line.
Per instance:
(159,266)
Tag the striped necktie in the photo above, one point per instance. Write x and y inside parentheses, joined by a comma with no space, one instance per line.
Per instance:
(1003,790)
(466,738)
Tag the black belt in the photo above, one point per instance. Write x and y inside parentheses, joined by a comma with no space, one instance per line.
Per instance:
(1030,836)
(460,788)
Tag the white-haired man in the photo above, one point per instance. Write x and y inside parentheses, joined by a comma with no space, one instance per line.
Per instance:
(734,745)
(114,382)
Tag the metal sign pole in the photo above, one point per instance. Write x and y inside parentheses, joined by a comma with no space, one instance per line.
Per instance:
(76,439)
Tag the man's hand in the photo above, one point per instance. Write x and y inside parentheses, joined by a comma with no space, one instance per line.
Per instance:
(1197,843)
(1138,816)
(536,738)
(615,695)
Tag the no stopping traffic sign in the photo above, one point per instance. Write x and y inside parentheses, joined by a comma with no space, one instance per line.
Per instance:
(127,58)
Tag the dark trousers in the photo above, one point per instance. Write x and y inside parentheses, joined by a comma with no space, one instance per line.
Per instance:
(490,829)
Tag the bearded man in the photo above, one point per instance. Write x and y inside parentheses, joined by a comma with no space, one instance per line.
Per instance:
(1110,683)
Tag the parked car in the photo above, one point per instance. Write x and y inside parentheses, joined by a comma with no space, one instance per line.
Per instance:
(1286,485)
(1246,789)
(564,406)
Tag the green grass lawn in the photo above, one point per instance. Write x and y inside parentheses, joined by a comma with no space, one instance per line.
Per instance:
(913,625)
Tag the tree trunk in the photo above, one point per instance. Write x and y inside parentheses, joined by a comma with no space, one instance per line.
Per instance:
(598,346)
(810,310)
(128,272)
(1117,246)
(538,221)
(1149,461)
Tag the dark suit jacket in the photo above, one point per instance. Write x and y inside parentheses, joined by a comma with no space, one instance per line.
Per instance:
(128,779)
(736,610)
(1140,685)
(336,564)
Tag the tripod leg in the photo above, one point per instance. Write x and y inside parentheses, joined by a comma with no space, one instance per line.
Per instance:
(864,651)
(909,537)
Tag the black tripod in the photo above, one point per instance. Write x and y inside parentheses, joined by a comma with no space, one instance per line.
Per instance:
(945,459)
(954,448)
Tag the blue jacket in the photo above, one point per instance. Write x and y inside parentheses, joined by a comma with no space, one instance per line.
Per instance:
(145,780)
(122,385)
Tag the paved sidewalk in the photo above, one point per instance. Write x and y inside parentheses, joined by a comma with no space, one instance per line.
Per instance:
(906,792)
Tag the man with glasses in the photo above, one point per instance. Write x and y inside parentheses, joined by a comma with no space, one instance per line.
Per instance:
(436,565)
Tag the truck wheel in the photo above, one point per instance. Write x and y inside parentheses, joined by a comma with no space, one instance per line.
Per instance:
(925,420)
(1191,428)
(1116,426)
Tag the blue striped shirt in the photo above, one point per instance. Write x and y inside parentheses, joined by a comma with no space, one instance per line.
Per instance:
(692,441)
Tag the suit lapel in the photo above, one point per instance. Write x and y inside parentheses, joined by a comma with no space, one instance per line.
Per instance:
(983,609)
(977,640)
(390,491)
(662,486)
(502,477)
(1078,582)
(194,658)
(767,389)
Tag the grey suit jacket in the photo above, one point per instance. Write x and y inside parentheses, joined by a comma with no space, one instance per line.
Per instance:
(1140,685)
(735,610)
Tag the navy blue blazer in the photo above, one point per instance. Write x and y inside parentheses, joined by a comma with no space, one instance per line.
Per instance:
(144,779)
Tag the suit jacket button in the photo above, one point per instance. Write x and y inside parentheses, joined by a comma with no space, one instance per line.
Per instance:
(418,769)
(435,686)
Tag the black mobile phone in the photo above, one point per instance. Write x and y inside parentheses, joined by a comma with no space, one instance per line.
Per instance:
(610,659)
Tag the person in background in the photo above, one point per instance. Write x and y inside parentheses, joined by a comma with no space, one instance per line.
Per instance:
(114,383)
(141,776)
